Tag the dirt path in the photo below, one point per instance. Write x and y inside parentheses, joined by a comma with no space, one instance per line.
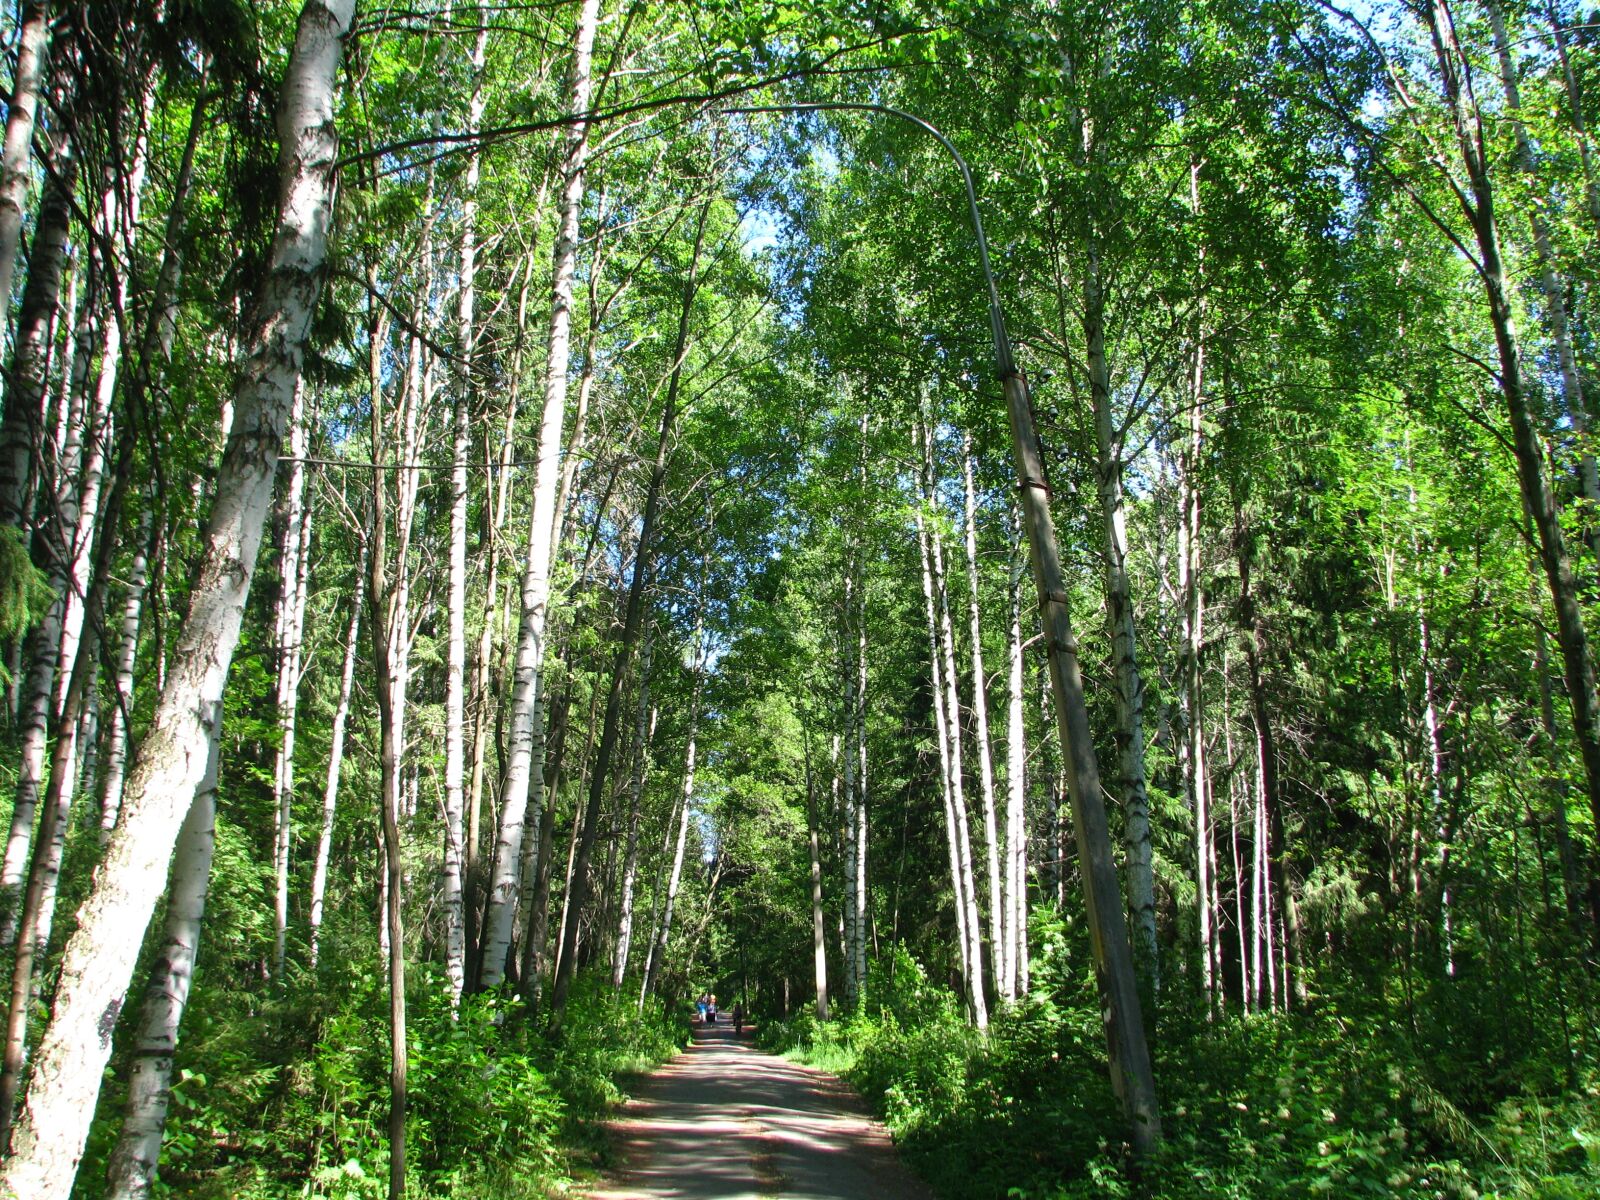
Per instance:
(725,1121)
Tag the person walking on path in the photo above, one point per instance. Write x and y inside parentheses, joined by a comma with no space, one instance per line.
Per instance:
(738,1018)
(711,1010)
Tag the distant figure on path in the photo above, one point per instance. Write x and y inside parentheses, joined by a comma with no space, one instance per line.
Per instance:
(738,1018)
(700,1006)
(711,1010)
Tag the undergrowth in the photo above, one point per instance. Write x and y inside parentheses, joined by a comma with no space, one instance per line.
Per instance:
(293,1100)
(1253,1109)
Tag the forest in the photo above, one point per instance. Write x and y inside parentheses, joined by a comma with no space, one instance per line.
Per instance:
(1050,549)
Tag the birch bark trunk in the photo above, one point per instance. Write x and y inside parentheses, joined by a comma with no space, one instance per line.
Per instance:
(999,937)
(947,769)
(101,954)
(526,739)
(452,889)
(819,947)
(20,445)
(33,53)
(138,1149)
(330,791)
(1014,979)
(952,723)
(292,580)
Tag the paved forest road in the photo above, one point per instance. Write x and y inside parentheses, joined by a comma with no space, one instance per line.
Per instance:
(725,1121)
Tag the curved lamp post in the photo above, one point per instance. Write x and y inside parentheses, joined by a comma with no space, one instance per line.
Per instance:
(1131,1075)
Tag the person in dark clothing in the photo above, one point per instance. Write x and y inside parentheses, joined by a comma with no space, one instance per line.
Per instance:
(738,1017)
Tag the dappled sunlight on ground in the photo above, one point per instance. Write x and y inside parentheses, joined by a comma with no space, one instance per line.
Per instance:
(724,1120)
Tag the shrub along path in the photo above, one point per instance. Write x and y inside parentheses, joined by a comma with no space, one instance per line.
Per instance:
(724,1120)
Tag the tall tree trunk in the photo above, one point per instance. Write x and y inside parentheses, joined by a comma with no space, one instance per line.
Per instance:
(1119,619)
(387,620)
(292,581)
(526,742)
(1272,844)
(633,620)
(122,684)
(452,884)
(949,769)
(336,741)
(20,445)
(22,107)
(663,932)
(644,728)
(952,724)
(1455,81)
(1553,289)
(819,946)
(138,1149)
(99,959)
(999,936)
(1191,635)
(1015,978)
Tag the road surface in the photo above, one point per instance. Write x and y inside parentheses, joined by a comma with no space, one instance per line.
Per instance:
(726,1121)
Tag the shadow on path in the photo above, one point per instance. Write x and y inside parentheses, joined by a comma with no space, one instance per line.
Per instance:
(726,1121)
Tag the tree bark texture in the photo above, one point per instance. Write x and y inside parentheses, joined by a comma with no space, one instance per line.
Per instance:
(99,958)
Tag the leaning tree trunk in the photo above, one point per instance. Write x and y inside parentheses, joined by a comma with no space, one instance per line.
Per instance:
(1478,205)
(138,1149)
(99,958)
(524,750)
(1554,290)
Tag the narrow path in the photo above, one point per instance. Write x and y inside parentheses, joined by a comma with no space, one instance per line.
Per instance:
(725,1121)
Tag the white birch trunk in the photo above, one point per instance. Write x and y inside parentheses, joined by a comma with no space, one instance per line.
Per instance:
(119,230)
(947,789)
(122,685)
(330,791)
(291,617)
(999,939)
(525,751)
(33,50)
(1014,975)
(100,956)
(952,726)
(138,1149)
(452,889)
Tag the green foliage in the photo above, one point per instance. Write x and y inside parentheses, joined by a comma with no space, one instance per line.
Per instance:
(1266,1107)
(293,1096)
(24,590)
